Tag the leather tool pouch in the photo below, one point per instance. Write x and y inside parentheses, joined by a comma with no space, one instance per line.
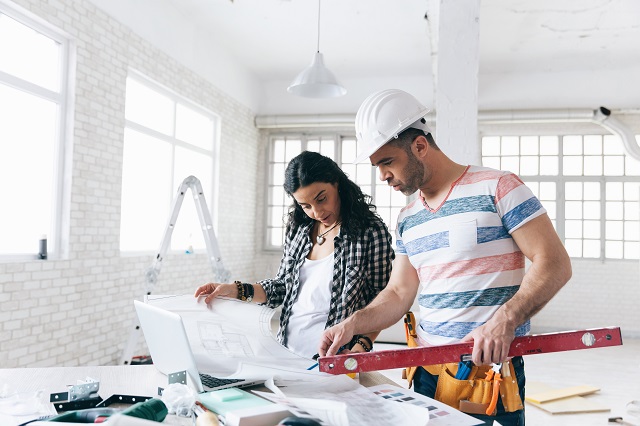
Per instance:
(471,395)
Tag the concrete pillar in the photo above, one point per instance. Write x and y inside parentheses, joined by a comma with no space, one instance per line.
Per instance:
(457,24)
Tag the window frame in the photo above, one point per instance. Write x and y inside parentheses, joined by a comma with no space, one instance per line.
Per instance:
(304,136)
(60,217)
(211,198)
(561,180)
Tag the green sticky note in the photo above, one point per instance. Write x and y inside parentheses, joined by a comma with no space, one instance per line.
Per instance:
(226,400)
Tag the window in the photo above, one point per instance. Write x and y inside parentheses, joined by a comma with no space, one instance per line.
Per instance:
(342,149)
(34,63)
(167,138)
(589,187)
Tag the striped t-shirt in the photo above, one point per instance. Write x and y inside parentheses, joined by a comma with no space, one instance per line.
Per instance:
(466,260)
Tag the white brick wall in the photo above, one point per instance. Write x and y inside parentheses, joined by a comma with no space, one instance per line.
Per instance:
(79,311)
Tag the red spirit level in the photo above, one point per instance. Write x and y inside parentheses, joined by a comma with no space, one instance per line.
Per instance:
(525,345)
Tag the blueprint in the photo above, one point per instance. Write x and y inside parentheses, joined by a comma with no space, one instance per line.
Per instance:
(230,338)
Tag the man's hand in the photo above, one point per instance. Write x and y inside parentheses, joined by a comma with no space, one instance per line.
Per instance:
(491,342)
(334,337)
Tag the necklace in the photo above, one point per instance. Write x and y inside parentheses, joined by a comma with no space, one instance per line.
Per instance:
(320,238)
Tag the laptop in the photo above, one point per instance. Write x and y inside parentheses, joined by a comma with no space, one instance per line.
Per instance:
(170,350)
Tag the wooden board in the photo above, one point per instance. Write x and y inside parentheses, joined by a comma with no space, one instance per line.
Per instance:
(569,405)
(554,394)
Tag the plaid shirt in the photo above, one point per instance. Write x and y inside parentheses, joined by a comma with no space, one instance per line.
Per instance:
(361,269)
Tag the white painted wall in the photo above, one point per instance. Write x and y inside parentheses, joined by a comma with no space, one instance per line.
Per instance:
(79,311)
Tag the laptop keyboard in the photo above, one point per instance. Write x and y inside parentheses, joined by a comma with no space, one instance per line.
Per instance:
(214,382)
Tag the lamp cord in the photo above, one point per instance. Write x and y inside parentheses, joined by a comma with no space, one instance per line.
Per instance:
(318,26)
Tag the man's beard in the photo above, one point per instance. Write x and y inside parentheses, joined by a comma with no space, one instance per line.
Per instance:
(415,176)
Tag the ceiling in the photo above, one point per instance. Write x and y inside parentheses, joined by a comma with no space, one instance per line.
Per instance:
(549,53)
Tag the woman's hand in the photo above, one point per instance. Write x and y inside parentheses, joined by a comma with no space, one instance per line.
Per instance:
(213,290)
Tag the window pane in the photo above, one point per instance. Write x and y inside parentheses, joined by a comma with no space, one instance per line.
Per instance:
(149,108)
(573,229)
(572,145)
(194,127)
(549,166)
(549,145)
(28,179)
(528,166)
(614,191)
(29,55)
(313,145)
(529,145)
(591,229)
(511,164)
(145,199)
(327,148)
(592,165)
(510,145)
(631,191)
(492,162)
(613,249)
(572,166)
(614,166)
(592,191)
(632,166)
(547,190)
(614,230)
(574,247)
(591,249)
(292,149)
(278,150)
(631,250)
(591,210)
(348,150)
(614,210)
(631,231)
(573,210)
(631,210)
(573,190)
(490,146)
(363,174)
(612,145)
(592,145)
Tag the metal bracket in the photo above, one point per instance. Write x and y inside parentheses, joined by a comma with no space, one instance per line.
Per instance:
(178,377)
(80,392)
(123,399)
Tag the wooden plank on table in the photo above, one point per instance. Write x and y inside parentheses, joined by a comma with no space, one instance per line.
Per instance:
(569,405)
(554,394)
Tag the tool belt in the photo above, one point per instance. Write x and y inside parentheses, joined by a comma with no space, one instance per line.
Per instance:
(478,394)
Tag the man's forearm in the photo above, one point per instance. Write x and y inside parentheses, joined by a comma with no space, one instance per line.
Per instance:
(384,311)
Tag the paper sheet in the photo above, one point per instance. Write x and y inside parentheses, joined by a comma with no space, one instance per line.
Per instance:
(230,338)
(342,401)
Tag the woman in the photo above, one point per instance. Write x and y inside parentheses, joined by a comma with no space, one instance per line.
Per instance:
(337,257)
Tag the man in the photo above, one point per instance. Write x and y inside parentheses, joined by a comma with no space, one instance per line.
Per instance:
(463,241)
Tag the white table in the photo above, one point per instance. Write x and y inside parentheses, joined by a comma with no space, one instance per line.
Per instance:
(139,380)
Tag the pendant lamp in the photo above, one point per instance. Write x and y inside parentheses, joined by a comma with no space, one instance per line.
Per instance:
(316,81)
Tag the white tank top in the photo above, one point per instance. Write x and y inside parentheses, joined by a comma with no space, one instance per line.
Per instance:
(310,310)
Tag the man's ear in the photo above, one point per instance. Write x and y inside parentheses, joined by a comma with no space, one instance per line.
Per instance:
(420,146)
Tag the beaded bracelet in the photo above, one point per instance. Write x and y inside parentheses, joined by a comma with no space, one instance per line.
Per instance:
(364,341)
(241,295)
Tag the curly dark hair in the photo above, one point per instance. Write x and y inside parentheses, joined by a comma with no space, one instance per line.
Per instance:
(357,211)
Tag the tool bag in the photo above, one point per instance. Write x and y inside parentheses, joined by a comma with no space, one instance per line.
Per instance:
(473,395)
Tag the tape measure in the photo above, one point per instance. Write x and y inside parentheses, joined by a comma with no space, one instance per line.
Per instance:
(525,345)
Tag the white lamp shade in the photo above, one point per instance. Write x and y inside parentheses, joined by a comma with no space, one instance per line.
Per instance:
(316,81)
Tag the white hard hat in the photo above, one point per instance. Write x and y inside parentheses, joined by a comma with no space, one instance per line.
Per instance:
(382,116)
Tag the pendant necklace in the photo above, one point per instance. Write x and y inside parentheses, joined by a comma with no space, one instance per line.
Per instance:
(320,238)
